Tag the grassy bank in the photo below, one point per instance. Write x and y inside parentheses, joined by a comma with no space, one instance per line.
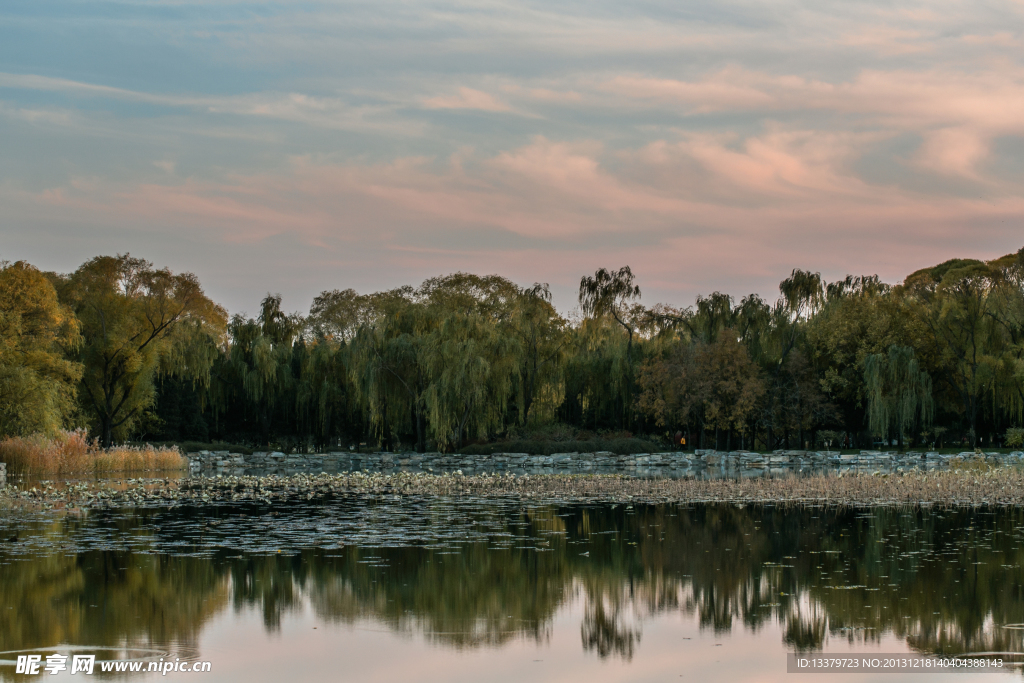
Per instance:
(970,485)
(72,453)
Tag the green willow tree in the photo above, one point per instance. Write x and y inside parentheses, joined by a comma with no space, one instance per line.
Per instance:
(542,344)
(1008,300)
(610,295)
(137,323)
(899,393)
(954,301)
(470,355)
(259,368)
(387,370)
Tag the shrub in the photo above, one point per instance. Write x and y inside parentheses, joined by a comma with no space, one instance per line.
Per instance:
(1014,437)
(550,432)
(73,453)
(620,446)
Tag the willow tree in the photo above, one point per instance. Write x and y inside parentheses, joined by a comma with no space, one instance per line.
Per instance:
(259,365)
(37,381)
(323,396)
(386,367)
(611,293)
(137,323)
(597,375)
(899,393)
(1008,299)
(543,342)
(471,367)
(955,302)
(471,354)
(861,316)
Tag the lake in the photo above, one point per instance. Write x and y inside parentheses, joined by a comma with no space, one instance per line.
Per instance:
(432,589)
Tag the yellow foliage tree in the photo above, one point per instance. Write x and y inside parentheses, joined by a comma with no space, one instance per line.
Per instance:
(37,381)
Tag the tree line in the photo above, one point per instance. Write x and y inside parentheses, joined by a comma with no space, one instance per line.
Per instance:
(131,351)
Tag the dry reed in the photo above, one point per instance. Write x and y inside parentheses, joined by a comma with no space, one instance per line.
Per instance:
(73,453)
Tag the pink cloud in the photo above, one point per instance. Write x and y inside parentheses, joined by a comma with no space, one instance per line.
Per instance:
(467,98)
(953,151)
(697,213)
(715,94)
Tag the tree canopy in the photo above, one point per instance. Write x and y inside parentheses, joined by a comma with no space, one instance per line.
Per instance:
(38,334)
(136,351)
(138,324)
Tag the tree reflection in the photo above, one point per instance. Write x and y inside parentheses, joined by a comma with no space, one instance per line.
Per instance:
(110,598)
(604,633)
(945,581)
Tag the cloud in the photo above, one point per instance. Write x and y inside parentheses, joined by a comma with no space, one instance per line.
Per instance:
(319,112)
(167,166)
(953,151)
(714,94)
(467,98)
(711,145)
(48,116)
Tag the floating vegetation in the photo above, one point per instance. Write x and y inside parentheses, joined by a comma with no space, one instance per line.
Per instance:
(995,487)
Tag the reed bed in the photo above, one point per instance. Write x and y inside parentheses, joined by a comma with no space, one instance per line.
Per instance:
(73,453)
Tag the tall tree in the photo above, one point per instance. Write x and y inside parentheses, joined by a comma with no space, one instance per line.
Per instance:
(259,366)
(137,322)
(611,292)
(954,301)
(899,393)
(543,342)
(470,354)
(387,368)
(37,381)
(710,385)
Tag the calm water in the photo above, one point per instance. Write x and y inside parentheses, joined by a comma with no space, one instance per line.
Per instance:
(444,590)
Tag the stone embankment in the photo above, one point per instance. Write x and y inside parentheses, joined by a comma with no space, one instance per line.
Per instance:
(669,464)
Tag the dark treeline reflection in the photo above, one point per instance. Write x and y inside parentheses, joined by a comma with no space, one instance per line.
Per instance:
(946,581)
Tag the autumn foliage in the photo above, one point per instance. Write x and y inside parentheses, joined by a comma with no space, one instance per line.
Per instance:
(74,453)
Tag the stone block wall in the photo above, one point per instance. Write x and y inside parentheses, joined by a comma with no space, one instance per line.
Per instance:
(675,463)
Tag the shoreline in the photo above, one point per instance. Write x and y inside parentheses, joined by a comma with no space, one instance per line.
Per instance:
(969,487)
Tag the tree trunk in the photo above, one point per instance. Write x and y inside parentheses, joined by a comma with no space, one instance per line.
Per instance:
(421,428)
(462,426)
(386,435)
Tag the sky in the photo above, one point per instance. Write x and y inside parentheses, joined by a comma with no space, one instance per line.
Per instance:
(300,146)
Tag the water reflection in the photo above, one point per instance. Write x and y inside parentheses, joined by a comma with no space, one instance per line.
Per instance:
(482,574)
